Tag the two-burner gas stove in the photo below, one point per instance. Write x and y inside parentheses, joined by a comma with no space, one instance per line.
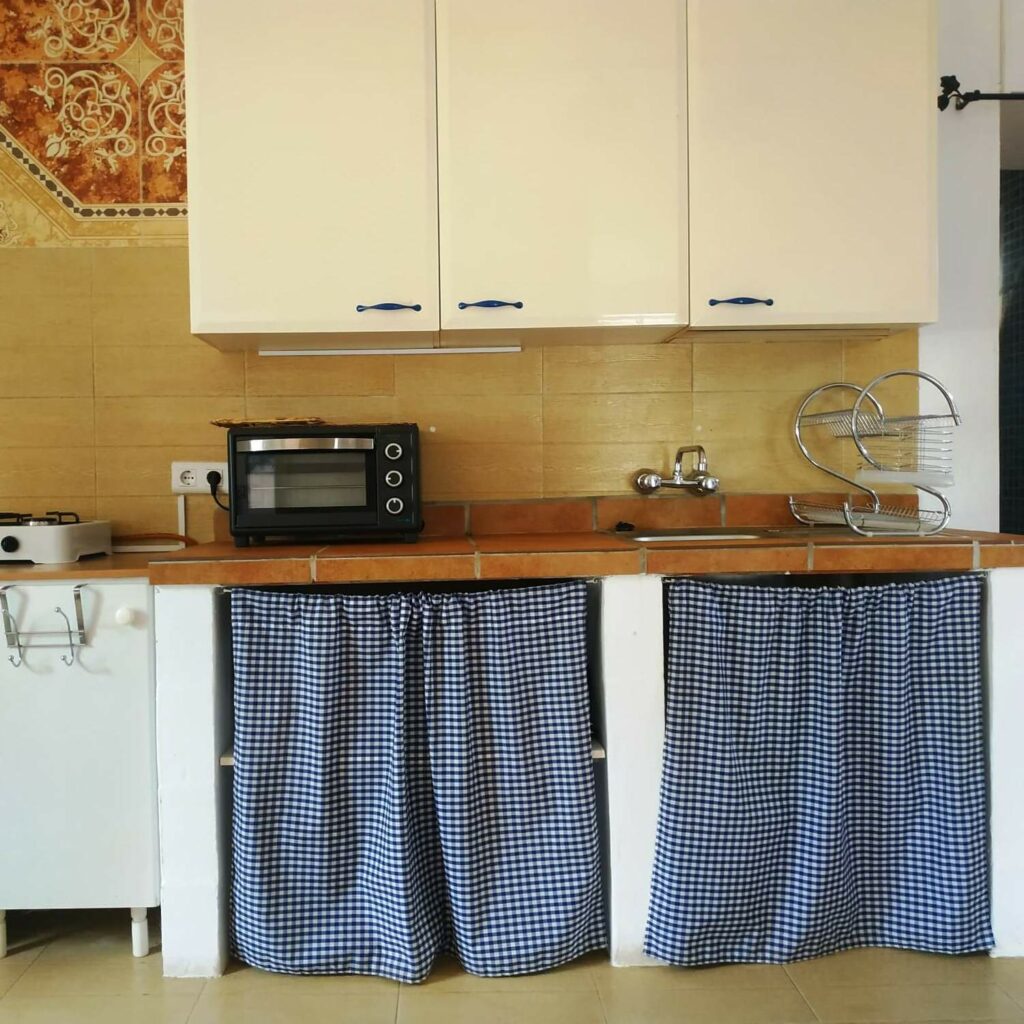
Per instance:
(51,538)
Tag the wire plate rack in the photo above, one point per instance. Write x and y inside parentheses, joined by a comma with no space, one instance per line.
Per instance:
(915,450)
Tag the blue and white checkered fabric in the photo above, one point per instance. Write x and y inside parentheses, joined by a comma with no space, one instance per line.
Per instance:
(824,773)
(413,775)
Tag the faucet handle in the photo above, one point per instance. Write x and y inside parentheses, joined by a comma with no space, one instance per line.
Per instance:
(647,481)
(706,483)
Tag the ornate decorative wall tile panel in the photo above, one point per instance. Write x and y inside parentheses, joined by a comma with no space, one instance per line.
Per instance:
(71,30)
(160,22)
(92,123)
(79,122)
(163,135)
(9,231)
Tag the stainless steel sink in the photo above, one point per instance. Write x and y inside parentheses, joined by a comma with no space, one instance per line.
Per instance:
(720,533)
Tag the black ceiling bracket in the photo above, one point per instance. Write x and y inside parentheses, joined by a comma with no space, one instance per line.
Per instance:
(950,85)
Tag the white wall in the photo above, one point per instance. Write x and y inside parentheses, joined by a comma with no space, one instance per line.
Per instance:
(962,349)
(1013,45)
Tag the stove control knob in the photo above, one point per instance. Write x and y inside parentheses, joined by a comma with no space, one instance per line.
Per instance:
(394,505)
(9,544)
(393,478)
(124,616)
(393,451)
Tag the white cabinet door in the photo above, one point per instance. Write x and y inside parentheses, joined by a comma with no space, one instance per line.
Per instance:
(561,161)
(78,806)
(812,162)
(312,166)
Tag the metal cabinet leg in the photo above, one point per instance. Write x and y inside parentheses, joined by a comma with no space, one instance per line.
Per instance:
(3,933)
(140,932)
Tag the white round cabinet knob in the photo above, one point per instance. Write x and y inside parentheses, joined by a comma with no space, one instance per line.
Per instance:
(124,616)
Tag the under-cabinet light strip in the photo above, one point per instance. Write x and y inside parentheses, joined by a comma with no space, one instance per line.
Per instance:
(466,350)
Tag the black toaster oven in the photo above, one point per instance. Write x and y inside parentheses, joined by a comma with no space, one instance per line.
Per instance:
(324,482)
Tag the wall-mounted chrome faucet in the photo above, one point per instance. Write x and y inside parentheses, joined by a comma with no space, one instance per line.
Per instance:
(698,480)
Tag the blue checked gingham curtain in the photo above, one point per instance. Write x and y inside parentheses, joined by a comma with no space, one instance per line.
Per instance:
(824,773)
(413,775)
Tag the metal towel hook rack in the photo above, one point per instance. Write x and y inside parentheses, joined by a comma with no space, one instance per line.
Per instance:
(70,637)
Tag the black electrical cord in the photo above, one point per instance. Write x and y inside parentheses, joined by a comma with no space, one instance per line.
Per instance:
(213,478)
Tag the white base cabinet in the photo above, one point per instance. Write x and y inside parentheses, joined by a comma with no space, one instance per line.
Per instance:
(78,754)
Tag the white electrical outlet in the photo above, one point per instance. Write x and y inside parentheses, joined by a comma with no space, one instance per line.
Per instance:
(190,477)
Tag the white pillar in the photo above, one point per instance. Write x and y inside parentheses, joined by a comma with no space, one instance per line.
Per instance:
(193,724)
(1006,762)
(962,348)
(633,671)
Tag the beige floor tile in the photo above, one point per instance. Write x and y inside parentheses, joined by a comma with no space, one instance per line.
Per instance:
(240,978)
(1008,974)
(888,967)
(706,1006)
(448,976)
(93,935)
(280,1006)
(102,975)
(156,1009)
(899,1003)
(422,1005)
(626,980)
(14,965)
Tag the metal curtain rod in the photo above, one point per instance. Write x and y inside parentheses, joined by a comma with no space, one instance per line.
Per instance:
(951,90)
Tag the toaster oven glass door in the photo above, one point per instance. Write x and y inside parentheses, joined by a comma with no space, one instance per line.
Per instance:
(308,481)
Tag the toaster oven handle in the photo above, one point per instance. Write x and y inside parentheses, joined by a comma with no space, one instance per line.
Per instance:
(287,444)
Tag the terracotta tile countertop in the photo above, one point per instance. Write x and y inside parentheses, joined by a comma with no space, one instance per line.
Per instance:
(555,555)
(555,539)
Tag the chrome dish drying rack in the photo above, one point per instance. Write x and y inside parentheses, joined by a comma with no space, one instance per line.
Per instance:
(913,450)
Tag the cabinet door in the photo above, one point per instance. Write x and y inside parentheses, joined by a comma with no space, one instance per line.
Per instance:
(812,161)
(312,165)
(78,756)
(561,158)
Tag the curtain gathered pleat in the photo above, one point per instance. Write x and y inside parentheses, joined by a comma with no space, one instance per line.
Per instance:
(824,772)
(413,776)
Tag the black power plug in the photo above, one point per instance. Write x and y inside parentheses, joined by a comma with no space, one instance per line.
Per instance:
(213,478)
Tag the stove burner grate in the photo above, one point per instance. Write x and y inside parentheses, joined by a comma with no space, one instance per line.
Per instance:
(53,518)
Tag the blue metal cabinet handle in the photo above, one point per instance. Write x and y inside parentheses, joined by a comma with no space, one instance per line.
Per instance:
(388,305)
(490,304)
(741,300)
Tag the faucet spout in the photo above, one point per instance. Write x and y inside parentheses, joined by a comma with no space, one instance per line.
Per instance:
(699,480)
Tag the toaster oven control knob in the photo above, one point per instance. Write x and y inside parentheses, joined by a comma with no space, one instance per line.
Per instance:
(394,505)
(393,451)
(9,544)
(393,478)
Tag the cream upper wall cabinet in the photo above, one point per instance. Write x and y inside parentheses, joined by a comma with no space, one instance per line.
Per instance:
(562,163)
(312,167)
(812,162)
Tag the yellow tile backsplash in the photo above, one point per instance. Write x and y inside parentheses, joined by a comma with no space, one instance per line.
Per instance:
(495,375)
(619,417)
(583,369)
(102,385)
(765,366)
